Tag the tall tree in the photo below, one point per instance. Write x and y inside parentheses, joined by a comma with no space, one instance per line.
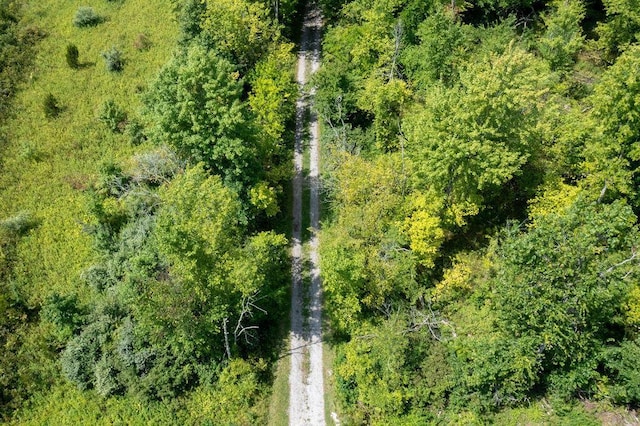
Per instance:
(195,106)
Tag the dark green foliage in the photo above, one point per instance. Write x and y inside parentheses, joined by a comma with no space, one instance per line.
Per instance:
(215,130)
(113,116)
(86,17)
(72,56)
(190,17)
(65,313)
(16,52)
(173,280)
(135,131)
(443,41)
(51,106)
(97,277)
(559,294)
(621,364)
(113,59)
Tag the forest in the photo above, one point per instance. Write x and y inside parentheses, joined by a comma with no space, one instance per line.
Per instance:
(479,218)
(480,234)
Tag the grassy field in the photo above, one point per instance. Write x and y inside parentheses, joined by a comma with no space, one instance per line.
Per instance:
(49,161)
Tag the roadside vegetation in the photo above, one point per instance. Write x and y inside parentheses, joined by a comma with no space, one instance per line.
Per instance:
(479,250)
(144,160)
(480,234)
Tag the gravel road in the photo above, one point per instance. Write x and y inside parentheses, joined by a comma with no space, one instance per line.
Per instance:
(306,380)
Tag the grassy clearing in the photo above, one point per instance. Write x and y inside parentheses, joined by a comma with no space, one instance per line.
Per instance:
(330,400)
(279,405)
(47,162)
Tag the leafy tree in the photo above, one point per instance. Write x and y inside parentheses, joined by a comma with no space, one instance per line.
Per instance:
(471,139)
(620,29)
(239,31)
(613,153)
(196,107)
(72,56)
(443,41)
(272,103)
(51,106)
(561,289)
(563,38)
(367,266)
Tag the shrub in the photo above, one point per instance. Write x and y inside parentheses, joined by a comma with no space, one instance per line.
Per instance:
(97,277)
(50,106)
(142,42)
(18,225)
(135,130)
(113,59)
(86,17)
(114,117)
(72,55)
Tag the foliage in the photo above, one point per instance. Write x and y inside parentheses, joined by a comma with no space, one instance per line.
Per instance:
(240,31)
(50,106)
(563,38)
(564,294)
(113,116)
(72,56)
(473,138)
(86,17)
(196,107)
(113,60)
(612,155)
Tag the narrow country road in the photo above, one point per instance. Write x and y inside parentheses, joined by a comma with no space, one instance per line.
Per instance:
(306,380)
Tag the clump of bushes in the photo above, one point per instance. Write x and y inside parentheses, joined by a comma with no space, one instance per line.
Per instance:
(113,59)
(135,131)
(86,17)
(50,106)
(72,56)
(113,116)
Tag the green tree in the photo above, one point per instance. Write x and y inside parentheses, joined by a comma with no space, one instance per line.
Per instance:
(238,30)
(563,37)
(612,156)
(196,108)
(72,56)
(470,140)
(365,261)
(272,103)
(561,289)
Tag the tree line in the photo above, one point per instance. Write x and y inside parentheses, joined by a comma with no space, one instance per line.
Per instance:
(479,247)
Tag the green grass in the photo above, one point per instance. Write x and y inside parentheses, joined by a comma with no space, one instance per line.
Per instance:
(279,404)
(47,162)
(330,397)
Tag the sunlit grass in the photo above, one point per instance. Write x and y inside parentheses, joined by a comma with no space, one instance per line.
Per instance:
(48,162)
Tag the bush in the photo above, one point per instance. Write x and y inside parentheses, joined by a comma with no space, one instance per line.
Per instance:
(86,17)
(142,42)
(50,106)
(18,225)
(135,131)
(114,117)
(72,56)
(113,60)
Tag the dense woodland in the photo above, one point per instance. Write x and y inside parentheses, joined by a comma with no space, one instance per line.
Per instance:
(479,245)
(480,219)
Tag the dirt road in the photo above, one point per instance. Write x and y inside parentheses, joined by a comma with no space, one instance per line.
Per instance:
(306,380)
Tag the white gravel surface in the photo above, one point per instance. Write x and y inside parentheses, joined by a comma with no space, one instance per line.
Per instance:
(306,379)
